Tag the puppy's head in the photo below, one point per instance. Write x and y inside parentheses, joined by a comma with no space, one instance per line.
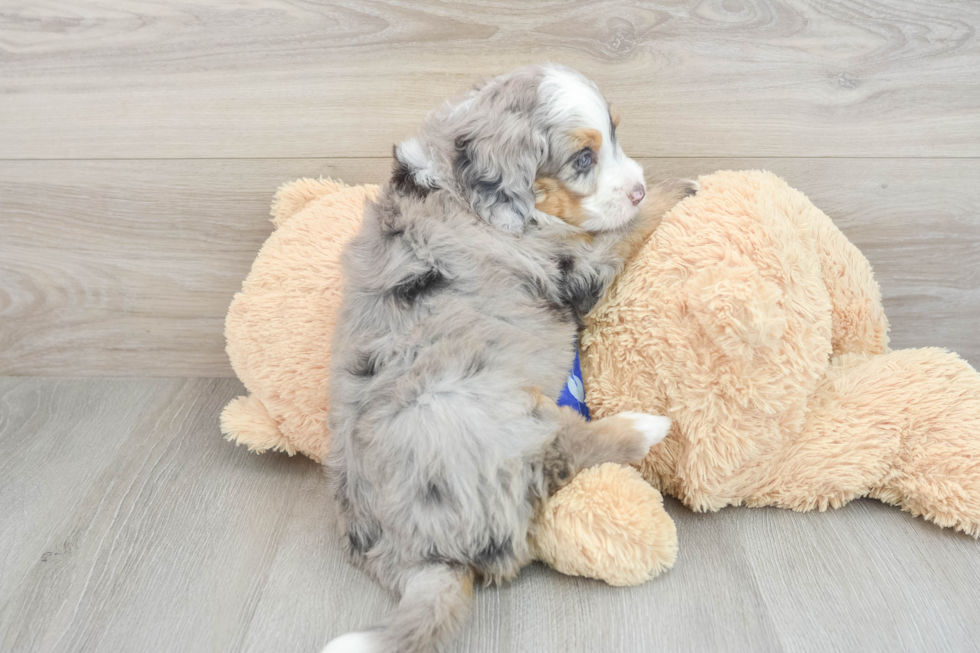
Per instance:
(539,136)
(588,181)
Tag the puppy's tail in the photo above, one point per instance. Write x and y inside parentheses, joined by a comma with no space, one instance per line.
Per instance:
(435,601)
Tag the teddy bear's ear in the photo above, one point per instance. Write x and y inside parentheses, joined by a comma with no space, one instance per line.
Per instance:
(739,310)
(293,197)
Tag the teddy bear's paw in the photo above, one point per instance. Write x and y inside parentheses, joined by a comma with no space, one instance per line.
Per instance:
(608,523)
(651,428)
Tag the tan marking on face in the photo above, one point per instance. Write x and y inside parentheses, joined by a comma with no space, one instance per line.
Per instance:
(468,583)
(555,198)
(584,137)
(614,114)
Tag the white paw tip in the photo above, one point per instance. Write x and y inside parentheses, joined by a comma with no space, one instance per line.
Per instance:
(365,642)
(653,427)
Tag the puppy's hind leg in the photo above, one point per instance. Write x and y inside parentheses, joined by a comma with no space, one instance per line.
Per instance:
(625,427)
(624,438)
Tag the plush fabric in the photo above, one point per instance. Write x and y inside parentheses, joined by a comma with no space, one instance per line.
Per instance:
(279,326)
(609,524)
(747,317)
(750,320)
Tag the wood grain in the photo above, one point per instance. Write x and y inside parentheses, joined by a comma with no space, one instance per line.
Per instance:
(127,267)
(130,525)
(121,266)
(163,538)
(295,78)
(843,588)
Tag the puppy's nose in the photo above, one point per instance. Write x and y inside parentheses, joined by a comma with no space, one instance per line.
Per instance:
(637,194)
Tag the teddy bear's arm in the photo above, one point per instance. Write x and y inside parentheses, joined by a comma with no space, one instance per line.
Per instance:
(859,322)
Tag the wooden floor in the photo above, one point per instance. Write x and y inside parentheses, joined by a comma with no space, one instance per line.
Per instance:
(129,525)
(140,145)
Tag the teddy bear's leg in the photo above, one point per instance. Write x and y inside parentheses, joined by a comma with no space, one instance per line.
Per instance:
(851,434)
(903,427)
(936,473)
(245,420)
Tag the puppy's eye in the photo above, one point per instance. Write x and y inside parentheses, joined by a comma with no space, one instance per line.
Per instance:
(584,160)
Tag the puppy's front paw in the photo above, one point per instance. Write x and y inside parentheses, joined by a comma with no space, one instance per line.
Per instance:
(678,189)
(664,196)
(651,428)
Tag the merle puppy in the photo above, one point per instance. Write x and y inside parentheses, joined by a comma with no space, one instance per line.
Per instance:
(503,223)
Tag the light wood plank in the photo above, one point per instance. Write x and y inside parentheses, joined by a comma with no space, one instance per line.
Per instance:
(163,540)
(284,78)
(864,578)
(127,268)
(123,266)
(129,524)
(46,430)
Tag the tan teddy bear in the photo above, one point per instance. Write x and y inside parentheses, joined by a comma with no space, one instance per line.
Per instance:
(757,326)
(747,317)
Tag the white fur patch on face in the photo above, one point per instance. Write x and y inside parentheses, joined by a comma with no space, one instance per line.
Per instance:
(570,98)
(575,102)
(610,206)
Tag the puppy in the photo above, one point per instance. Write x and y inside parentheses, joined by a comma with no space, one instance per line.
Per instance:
(503,223)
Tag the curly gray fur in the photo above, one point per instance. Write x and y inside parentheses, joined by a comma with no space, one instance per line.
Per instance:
(454,338)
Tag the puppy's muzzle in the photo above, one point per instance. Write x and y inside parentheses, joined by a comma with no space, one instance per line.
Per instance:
(637,194)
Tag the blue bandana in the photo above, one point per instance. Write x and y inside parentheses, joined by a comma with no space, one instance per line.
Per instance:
(573,394)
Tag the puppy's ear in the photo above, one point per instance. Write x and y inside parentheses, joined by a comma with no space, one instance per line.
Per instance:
(496,163)
(613,116)
(415,170)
